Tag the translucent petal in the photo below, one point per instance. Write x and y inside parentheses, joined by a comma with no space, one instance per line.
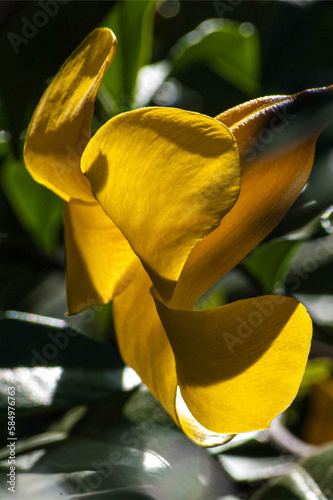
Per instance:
(99,261)
(240,365)
(273,174)
(165,177)
(61,124)
(142,341)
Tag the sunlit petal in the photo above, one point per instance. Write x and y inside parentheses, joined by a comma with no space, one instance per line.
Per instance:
(99,261)
(195,431)
(61,124)
(142,341)
(144,346)
(272,177)
(239,365)
(165,177)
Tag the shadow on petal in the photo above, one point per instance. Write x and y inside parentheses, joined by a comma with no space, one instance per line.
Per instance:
(240,365)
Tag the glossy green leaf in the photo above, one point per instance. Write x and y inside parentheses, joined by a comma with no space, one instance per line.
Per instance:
(54,388)
(132,23)
(319,467)
(321,225)
(214,297)
(39,341)
(243,468)
(231,49)
(53,366)
(269,263)
(37,208)
(130,462)
(312,478)
(310,271)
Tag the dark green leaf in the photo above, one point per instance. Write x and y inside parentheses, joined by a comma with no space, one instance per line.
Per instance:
(270,262)
(310,270)
(37,208)
(255,468)
(56,366)
(310,478)
(58,388)
(215,297)
(132,462)
(29,343)
(319,226)
(229,48)
(132,23)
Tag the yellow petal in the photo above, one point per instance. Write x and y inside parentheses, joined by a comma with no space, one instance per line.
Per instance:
(61,124)
(145,347)
(270,183)
(239,365)
(142,341)
(250,110)
(99,261)
(193,429)
(165,177)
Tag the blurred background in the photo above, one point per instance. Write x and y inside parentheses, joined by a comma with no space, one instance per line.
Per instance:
(86,427)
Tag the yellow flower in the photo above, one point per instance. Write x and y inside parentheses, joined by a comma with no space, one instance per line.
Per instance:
(153,208)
